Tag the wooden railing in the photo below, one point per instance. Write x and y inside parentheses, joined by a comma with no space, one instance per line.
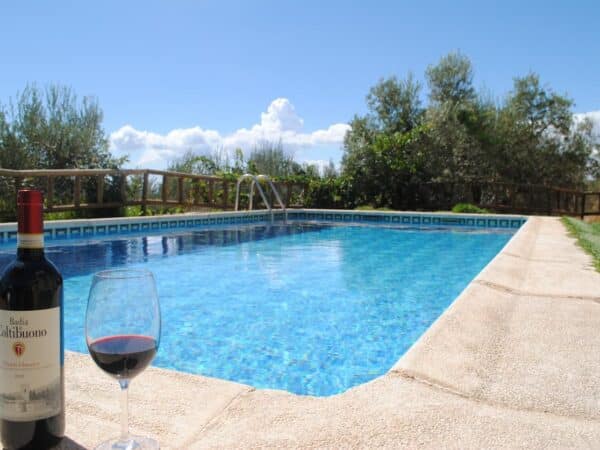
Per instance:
(84,189)
(94,189)
(510,198)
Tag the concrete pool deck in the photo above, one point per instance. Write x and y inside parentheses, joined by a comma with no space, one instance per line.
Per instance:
(513,362)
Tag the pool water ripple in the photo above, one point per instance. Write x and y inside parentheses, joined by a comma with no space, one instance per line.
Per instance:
(311,309)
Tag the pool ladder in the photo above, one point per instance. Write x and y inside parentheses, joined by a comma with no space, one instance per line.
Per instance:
(256,179)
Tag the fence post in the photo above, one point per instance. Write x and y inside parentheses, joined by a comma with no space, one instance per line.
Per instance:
(50,194)
(583,205)
(211,190)
(18,181)
(164,190)
(195,192)
(123,189)
(145,193)
(180,190)
(100,189)
(77,192)
(288,194)
(225,193)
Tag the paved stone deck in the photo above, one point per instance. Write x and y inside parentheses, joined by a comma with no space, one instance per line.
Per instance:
(513,363)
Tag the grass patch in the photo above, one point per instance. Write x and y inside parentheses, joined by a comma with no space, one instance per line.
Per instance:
(588,236)
(468,208)
(66,215)
(371,208)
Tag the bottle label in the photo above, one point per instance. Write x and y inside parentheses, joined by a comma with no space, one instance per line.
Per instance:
(30,384)
(28,240)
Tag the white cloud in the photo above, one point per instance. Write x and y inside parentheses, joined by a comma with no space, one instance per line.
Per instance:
(279,122)
(594,116)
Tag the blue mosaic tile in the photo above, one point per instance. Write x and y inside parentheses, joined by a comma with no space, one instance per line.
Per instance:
(198,222)
(436,221)
(503,223)
(328,216)
(426,220)
(449,221)
(492,223)
(48,234)
(416,220)
(190,223)
(75,231)
(2,235)
(515,223)
(219,220)
(182,224)
(60,232)
(405,219)
(13,234)
(135,227)
(171,224)
(112,229)
(481,222)
(471,222)
(387,218)
(154,225)
(395,219)
(101,229)
(145,226)
(88,231)
(124,227)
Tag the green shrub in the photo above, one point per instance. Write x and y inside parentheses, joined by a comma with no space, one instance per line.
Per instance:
(468,208)
(371,208)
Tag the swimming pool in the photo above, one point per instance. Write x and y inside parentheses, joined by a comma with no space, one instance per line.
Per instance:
(311,308)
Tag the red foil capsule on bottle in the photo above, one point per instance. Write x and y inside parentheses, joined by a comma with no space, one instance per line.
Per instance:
(30,204)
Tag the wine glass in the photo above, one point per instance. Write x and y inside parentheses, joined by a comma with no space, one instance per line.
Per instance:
(122,330)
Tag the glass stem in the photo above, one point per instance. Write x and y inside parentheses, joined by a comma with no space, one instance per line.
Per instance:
(124,383)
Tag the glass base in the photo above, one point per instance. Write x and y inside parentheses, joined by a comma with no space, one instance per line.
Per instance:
(133,443)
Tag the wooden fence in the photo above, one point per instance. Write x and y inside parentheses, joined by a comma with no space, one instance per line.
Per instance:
(510,198)
(87,189)
(102,189)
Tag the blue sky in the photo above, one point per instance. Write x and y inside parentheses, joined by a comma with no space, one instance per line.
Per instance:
(178,75)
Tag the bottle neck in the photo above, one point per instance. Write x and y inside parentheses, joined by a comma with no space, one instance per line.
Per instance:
(30,227)
(30,254)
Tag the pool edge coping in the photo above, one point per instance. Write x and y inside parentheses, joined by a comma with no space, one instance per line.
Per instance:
(521,243)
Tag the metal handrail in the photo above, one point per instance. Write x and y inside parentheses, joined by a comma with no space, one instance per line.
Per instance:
(237,191)
(256,179)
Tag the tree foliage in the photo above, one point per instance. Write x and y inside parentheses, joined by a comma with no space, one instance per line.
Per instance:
(51,129)
(463,136)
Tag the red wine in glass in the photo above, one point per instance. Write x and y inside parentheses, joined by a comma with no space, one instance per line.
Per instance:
(123,356)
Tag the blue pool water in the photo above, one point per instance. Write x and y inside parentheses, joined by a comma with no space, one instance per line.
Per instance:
(312,309)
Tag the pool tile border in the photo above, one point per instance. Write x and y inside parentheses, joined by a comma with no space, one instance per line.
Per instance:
(62,229)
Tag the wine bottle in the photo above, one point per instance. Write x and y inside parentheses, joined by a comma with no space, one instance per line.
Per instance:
(32,405)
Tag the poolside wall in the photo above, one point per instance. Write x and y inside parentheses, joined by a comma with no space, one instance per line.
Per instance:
(61,229)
